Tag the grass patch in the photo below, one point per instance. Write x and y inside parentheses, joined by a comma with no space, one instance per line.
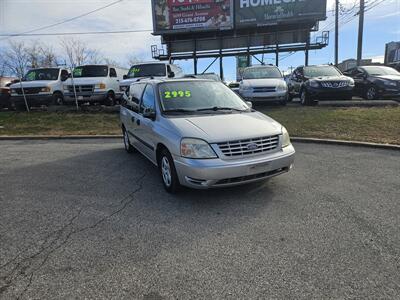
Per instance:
(379,124)
(51,123)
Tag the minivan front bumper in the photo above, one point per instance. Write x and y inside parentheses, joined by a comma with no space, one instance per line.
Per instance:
(210,173)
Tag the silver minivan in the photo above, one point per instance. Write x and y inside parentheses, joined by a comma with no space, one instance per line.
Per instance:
(201,134)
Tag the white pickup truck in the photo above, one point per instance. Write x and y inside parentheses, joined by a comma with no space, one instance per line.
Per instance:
(94,83)
(42,86)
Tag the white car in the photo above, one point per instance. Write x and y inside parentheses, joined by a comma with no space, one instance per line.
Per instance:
(263,83)
(155,69)
(41,86)
(94,83)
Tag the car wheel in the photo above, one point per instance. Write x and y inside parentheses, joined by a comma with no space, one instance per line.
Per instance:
(58,99)
(110,100)
(371,93)
(168,172)
(127,144)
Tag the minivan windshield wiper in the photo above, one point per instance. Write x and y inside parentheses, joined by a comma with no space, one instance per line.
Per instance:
(216,108)
(178,110)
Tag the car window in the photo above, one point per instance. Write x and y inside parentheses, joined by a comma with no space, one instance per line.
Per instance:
(64,73)
(320,71)
(113,73)
(136,91)
(262,72)
(148,99)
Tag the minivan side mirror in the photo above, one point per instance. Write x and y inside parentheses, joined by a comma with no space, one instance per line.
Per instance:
(149,113)
(64,77)
(125,77)
(171,74)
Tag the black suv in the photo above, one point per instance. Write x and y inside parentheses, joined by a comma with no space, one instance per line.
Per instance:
(313,83)
(374,82)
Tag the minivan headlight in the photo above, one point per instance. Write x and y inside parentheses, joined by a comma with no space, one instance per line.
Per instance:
(314,83)
(282,86)
(45,89)
(196,148)
(100,86)
(285,138)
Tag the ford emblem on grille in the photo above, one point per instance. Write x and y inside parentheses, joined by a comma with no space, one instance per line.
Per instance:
(335,84)
(252,146)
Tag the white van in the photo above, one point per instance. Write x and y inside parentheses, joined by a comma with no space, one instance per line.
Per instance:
(41,86)
(94,83)
(155,69)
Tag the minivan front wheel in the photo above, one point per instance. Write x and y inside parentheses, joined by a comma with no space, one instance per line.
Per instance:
(110,100)
(168,173)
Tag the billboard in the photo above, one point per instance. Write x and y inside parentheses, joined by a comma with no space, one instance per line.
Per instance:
(186,15)
(392,53)
(258,13)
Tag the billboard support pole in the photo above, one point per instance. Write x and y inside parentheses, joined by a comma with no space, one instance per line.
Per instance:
(221,68)
(337,32)
(195,57)
(306,53)
(248,50)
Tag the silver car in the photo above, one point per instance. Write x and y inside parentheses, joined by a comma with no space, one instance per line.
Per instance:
(201,134)
(263,84)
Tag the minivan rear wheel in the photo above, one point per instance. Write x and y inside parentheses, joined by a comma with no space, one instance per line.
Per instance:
(168,173)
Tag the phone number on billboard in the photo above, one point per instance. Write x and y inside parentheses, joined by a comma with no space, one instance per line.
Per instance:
(190,20)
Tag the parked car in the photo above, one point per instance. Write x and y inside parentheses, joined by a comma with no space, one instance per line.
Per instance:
(201,135)
(155,69)
(263,84)
(5,93)
(322,82)
(41,86)
(374,82)
(234,86)
(94,84)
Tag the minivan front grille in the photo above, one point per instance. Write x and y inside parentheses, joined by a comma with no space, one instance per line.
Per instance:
(28,90)
(81,88)
(334,84)
(267,89)
(249,146)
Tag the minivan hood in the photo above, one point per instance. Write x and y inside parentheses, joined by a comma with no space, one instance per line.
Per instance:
(227,127)
(35,83)
(85,80)
(128,81)
(263,82)
(330,78)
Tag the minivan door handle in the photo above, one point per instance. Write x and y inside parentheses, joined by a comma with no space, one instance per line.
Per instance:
(138,122)
(133,119)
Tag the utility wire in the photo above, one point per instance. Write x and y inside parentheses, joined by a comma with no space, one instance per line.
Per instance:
(64,21)
(79,33)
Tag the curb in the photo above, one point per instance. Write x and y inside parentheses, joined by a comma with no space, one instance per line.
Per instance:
(345,143)
(293,139)
(57,137)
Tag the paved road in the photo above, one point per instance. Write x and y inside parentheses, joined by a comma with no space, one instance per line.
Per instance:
(83,219)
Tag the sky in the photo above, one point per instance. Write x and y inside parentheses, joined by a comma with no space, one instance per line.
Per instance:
(381,26)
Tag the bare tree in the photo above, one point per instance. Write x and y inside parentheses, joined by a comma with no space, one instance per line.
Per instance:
(33,54)
(16,58)
(78,53)
(48,56)
(132,60)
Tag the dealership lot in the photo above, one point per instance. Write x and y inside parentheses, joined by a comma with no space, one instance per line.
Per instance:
(81,218)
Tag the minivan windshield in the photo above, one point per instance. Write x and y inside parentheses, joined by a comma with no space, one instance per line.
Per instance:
(199,96)
(91,71)
(42,74)
(147,70)
(320,71)
(259,73)
(379,70)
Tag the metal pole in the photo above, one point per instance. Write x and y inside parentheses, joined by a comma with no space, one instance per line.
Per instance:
(337,33)
(73,86)
(360,32)
(307,46)
(277,55)
(195,57)
(221,68)
(23,94)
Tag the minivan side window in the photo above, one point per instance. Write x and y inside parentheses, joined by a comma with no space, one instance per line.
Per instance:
(64,73)
(148,99)
(113,73)
(135,92)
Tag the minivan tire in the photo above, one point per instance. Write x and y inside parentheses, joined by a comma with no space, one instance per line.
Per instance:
(168,173)
(127,144)
(58,99)
(110,100)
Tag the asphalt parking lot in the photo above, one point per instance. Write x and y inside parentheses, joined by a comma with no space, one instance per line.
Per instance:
(83,219)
